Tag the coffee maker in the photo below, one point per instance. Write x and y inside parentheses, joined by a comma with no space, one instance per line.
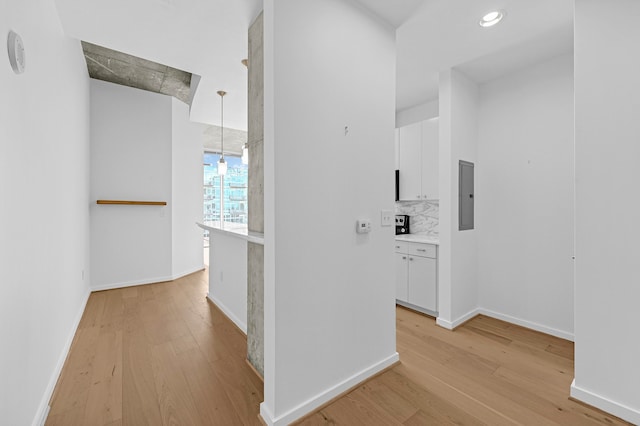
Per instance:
(402,224)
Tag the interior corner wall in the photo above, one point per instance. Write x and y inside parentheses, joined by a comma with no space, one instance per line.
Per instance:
(131,152)
(44,219)
(329,134)
(607,90)
(525,214)
(458,250)
(417,113)
(186,192)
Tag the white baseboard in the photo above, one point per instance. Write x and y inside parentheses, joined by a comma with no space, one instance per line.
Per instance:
(45,415)
(133,283)
(626,413)
(326,396)
(450,325)
(43,408)
(266,414)
(242,325)
(528,324)
(188,272)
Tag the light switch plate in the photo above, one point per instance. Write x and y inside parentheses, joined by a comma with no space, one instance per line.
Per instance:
(386,218)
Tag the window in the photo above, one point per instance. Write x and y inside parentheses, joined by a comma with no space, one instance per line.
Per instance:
(234,192)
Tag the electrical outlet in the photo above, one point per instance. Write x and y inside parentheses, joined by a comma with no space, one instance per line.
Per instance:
(386,218)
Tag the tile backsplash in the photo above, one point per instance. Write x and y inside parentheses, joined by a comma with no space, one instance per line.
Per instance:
(424,215)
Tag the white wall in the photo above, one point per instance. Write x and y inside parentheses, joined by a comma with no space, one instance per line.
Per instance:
(417,113)
(187,149)
(607,90)
(44,218)
(228,276)
(458,251)
(143,147)
(130,160)
(524,207)
(329,293)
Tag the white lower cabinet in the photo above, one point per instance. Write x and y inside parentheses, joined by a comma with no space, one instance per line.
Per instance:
(401,276)
(417,276)
(422,282)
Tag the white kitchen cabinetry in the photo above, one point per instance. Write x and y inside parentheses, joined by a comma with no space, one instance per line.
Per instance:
(430,160)
(410,156)
(396,147)
(417,276)
(417,152)
(401,276)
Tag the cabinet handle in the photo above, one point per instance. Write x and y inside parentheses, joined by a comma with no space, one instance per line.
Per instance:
(421,249)
(418,197)
(411,258)
(397,247)
(404,257)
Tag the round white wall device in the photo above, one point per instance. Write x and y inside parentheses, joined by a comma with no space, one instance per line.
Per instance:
(15,49)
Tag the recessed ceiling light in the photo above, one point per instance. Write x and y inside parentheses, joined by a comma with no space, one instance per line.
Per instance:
(492,18)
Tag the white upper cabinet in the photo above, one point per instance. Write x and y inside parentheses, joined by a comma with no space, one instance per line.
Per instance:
(410,156)
(430,153)
(396,147)
(417,160)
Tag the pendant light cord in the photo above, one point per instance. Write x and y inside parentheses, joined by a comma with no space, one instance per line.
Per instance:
(222,124)
(222,93)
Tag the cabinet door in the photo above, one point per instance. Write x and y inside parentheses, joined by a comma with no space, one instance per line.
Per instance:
(430,159)
(401,276)
(396,147)
(422,282)
(410,153)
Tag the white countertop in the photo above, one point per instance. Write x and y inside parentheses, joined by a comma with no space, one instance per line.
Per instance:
(239,230)
(418,238)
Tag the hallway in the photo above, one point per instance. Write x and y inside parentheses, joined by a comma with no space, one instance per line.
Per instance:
(156,354)
(161,354)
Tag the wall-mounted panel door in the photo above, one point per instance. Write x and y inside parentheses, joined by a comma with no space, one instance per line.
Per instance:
(465,196)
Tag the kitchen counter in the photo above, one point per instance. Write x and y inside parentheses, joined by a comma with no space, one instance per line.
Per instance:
(419,238)
(228,268)
(238,230)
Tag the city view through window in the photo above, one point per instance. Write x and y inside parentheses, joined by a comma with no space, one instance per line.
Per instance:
(234,190)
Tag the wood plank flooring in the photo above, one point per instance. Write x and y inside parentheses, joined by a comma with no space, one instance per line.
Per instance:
(486,372)
(157,354)
(161,354)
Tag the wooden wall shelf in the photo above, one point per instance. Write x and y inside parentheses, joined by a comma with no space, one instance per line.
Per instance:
(133,203)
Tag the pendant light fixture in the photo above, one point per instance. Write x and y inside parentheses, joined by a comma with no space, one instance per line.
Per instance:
(245,154)
(222,165)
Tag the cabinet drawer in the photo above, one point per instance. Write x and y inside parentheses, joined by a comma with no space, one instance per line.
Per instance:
(401,247)
(424,250)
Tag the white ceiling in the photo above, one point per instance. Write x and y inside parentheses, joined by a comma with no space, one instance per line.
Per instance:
(393,12)
(442,34)
(209,38)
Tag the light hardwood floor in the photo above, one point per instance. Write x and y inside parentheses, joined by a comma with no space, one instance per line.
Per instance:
(161,354)
(157,354)
(485,372)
